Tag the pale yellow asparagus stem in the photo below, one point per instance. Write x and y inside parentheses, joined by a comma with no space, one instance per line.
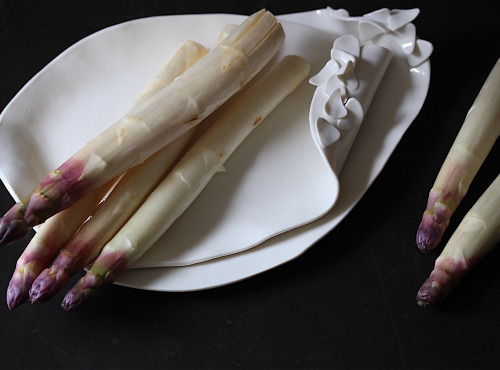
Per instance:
(476,235)
(474,141)
(181,186)
(126,196)
(154,123)
(188,54)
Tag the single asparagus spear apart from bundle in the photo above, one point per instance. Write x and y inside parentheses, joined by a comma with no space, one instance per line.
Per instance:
(151,125)
(125,198)
(177,191)
(46,243)
(474,141)
(477,234)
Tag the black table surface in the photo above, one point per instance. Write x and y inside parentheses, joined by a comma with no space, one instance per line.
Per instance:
(349,301)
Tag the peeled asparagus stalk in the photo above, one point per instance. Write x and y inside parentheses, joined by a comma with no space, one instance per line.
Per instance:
(474,141)
(154,123)
(43,247)
(477,234)
(181,186)
(133,187)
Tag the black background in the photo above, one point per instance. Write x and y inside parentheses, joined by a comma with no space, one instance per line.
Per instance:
(344,305)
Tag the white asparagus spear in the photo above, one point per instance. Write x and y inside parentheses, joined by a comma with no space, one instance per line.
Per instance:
(477,235)
(150,126)
(57,234)
(178,190)
(474,141)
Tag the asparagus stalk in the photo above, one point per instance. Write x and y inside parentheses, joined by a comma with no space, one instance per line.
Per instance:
(181,186)
(477,234)
(474,141)
(127,195)
(151,125)
(42,248)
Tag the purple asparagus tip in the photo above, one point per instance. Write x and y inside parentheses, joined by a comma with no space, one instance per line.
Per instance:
(103,272)
(72,301)
(16,296)
(76,297)
(430,232)
(45,286)
(430,294)
(442,281)
(435,220)
(84,290)
(428,238)
(12,230)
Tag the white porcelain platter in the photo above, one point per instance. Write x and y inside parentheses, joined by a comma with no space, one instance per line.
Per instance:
(277,196)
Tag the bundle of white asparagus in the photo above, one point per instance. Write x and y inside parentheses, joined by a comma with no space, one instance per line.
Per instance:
(152,124)
(189,177)
(151,196)
(76,242)
(479,231)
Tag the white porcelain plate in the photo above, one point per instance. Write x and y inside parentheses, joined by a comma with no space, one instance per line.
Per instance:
(276,196)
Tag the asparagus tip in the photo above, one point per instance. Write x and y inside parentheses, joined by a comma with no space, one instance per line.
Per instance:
(429,234)
(16,295)
(75,297)
(44,287)
(72,301)
(426,240)
(87,287)
(442,281)
(430,294)
(435,220)
(19,285)
(103,272)
(12,230)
